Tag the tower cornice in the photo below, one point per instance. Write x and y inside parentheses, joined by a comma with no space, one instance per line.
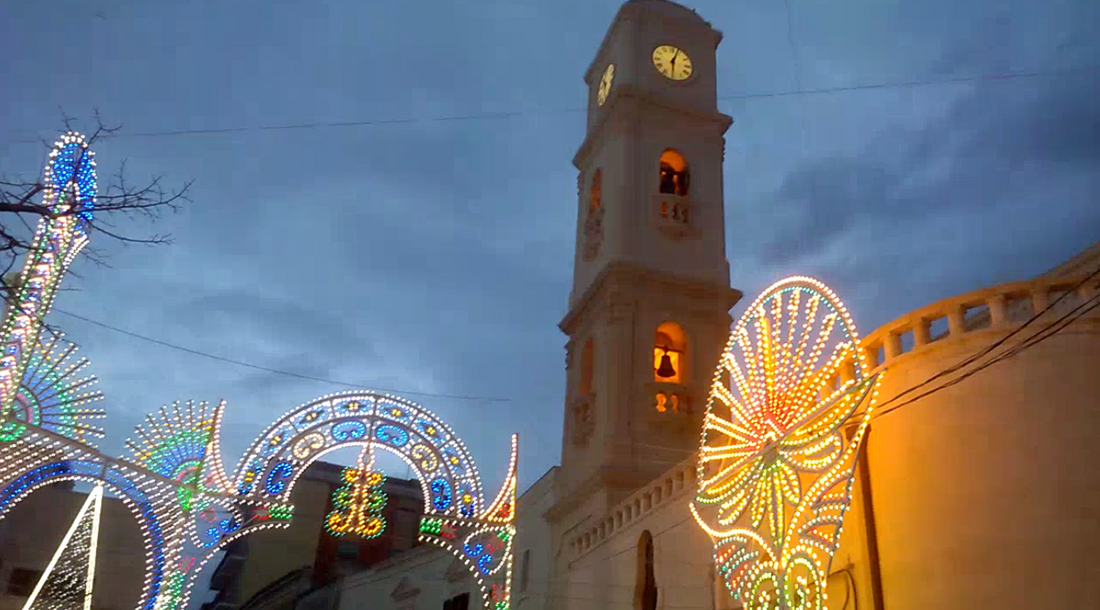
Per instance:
(617,275)
(624,107)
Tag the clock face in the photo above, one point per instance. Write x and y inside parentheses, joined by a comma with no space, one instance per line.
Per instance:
(672,62)
(605,84)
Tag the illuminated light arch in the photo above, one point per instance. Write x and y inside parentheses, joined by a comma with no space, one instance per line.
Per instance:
(779,444)
(281,453)
(147,509)
(187,506)
(456,515)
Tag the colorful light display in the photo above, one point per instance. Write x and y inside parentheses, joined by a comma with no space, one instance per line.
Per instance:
(775,466)
(67,582)
(359,501)
(52,397)
(69,195)
(177,488)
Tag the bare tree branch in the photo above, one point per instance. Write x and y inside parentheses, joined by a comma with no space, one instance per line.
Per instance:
(22,206)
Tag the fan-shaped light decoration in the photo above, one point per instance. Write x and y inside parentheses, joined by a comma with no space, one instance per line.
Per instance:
(176,446)
(779,443)
(51,395)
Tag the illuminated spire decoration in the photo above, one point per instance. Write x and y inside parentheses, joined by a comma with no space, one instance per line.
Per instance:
(359,501)
(779,444)
(69,195)
(67,582)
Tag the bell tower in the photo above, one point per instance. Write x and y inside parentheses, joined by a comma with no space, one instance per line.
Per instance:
(649,309)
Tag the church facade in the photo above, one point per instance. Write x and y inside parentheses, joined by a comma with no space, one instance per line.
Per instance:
(983,493)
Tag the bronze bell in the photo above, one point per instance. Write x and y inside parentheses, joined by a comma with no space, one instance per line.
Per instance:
(665,370)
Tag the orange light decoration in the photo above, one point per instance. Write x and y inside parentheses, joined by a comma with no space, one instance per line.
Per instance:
(775,475)
(359,502)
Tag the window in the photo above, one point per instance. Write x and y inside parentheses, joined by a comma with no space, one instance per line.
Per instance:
(458,602)
(595,192)
(645,595)
(525,570)
(21,581)
(347,548)
(675,176)
(593,220)
(669,346)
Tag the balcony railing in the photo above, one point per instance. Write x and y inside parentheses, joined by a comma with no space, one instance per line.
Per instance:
(675,215)
(989,309)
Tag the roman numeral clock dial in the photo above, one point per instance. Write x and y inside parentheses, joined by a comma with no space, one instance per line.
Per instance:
(671,62)
(605,84)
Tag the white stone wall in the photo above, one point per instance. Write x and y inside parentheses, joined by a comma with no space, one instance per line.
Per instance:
(531,584)
(423,578)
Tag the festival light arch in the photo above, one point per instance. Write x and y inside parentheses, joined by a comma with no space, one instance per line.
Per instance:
(187,505)
(457,515)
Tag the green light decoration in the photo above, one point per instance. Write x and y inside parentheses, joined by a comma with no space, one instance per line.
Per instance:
(359,502)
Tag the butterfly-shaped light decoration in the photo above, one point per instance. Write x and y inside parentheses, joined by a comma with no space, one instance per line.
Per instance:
(780,439)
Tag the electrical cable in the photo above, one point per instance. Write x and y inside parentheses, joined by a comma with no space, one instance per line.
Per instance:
(279,371)
(1092,303)
(978,355)
(558,111)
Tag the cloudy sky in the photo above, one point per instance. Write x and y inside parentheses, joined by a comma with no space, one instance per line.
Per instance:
(434,256)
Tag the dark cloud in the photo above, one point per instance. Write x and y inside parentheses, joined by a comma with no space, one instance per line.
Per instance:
(435,256)
(1001,152)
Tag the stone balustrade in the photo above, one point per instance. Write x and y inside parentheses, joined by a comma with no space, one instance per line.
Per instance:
(677,482)
(997,308)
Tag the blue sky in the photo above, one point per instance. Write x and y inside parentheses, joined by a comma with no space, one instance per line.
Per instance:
(436,255)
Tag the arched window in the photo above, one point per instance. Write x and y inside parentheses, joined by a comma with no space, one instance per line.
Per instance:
(595,192)
(675,176)
(585,384)
(645,591)
(669,347)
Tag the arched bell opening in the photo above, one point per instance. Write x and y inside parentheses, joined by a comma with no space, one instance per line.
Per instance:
(675,176)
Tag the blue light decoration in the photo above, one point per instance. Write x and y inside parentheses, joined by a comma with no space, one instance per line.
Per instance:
(392,434)
(349,431)
(73,159)
(485,554)
(139,502)
(441,494)
(276,478)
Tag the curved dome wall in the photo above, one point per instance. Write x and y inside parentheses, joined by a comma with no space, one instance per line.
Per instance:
(987,494)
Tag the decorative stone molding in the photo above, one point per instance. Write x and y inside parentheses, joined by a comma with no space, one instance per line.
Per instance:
(569,345)
(405,592)
(584,422)
(620,306)
(669,404)
(674,216)
(593,234)
(618,280)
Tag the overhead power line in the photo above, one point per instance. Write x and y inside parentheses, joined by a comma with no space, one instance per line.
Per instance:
(512,114)
(279,371)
